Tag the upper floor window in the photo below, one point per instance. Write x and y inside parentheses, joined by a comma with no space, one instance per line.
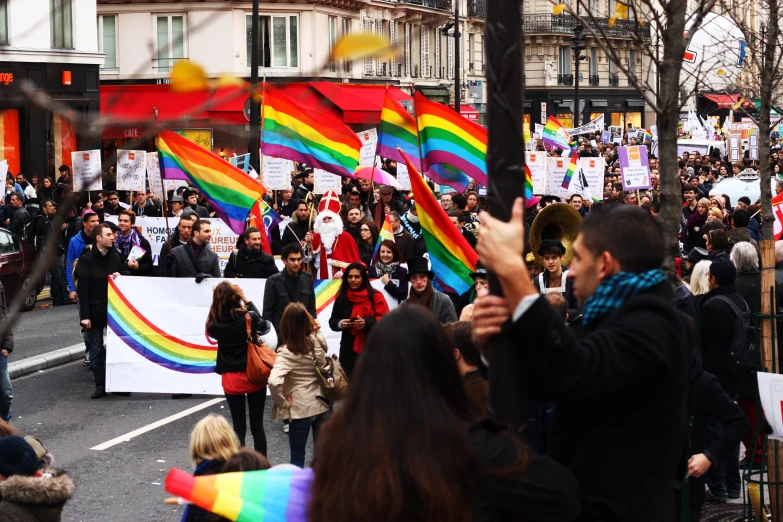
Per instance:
(3,22)
(170,41)
(107,39)
(62,24)
(278,40)
(564,61)
(632,63)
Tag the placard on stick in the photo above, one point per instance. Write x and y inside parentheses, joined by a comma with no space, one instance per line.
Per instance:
(131,169)
(86,165)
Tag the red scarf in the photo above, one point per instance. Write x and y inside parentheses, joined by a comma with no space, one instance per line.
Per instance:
(362,307)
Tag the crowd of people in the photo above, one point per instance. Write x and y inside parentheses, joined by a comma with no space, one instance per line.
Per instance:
(611,344)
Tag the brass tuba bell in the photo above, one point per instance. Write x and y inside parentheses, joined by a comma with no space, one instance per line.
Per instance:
(559,221)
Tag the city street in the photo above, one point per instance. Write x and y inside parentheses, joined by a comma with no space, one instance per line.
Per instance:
(117,449)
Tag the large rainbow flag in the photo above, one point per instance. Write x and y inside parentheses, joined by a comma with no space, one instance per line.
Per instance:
(447,137)
(452,258)
(270,495)
(555,135)
(230,191)
(320,140)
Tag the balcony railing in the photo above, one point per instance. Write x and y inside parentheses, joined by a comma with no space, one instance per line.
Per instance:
(477,8)
(614,80)
(432,4)
(594,80)
(565,79)
(564,24)
(161,65)
(381,69)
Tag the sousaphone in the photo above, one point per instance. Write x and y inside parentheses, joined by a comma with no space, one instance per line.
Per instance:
(559,221)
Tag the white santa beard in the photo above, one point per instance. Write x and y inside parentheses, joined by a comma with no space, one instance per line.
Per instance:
(328,231)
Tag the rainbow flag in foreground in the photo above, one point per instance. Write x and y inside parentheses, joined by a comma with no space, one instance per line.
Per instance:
(446,137)
(555,135)
(320,140)
(386,232)
(571,170)
(279,495)
(229,190)
(452,258)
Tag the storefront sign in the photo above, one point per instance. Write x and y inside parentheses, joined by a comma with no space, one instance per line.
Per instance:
(6,78)
(634,167)
(201,137)
(131,169)
(86,166)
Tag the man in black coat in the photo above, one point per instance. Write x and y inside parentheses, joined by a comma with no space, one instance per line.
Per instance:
(19,216)
(133,261)
(93,271)
(619,380)
(145,207)
(296,231)
(292,285)
(249,260)
(194,259)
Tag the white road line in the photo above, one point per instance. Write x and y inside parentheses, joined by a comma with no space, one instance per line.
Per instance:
(154,425)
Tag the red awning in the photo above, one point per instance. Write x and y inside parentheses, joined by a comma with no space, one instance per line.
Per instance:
(359,103)
(468,112)
(726,101)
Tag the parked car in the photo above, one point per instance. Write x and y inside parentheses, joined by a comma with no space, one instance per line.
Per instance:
(16,264)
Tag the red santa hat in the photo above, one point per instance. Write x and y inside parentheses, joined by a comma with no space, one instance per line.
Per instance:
(330,203)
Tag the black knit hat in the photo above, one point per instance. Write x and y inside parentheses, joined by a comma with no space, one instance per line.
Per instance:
(17,457)
(724,271)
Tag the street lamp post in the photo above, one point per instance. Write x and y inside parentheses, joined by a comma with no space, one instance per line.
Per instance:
(577,46)
(254,136)
(457,89)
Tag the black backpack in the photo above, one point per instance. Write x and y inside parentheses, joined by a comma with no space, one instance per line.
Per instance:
(743,342)
(28,230)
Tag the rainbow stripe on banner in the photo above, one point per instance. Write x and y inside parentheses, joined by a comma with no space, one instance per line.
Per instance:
(152,343)
(326,291)
(571,170)
(320,140)
(228,189)
(272,495)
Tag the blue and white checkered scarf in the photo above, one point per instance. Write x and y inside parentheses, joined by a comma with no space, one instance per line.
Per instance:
(613,292)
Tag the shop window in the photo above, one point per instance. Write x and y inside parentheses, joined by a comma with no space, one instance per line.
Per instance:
(9,139)
(107,40)
(278,40)
(170,45)
(565,118)
(3,22)
(63,141)
(62,24)
(634,118)
(594,115)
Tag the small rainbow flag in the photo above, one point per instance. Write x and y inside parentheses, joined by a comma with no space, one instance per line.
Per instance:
(264,218)
(528,183)
(229,190)
(320,140)
(452,258)
(280,495)
(555,135)
(447,137)
(386,232)
(571,170)
(647,135)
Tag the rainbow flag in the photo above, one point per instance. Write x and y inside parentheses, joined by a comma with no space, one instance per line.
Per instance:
(326,291)
(452,258)
(571,170)
(397,129)
(647,134)
(229,190)
(386,232)
(320,140)
(264,218)
(528,183)
(555,135)
(446,137)
(280,495)
(444,174)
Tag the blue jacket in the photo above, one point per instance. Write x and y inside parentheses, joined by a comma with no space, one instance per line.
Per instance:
(754,229)
(75,249)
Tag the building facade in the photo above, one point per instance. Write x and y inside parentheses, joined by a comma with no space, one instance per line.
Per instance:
(47,46)
(603,88)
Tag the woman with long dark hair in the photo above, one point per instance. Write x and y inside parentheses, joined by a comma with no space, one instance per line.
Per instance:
(387,268)
(356,310)
(405,434)
(294,382)
(368,236)
(46,190)
(226,324)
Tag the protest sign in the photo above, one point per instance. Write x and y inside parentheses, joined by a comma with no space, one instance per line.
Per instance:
(556,171)
(634,167)
(403,177)
(593,126)
(131,169)
(325,181)
(86,169)
(369,139)
(151,350)
(3,174)
(735,145)
(591,178)
(536,162)
(605,137)
(277,173)
(771,395)
(241,162)
(153,175)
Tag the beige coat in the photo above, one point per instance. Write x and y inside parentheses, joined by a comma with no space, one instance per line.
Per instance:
(295,376)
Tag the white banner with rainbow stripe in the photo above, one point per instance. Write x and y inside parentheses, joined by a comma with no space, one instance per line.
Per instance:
(157,341)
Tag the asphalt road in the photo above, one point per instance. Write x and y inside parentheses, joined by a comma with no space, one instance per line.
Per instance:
(45,329)
(124,482)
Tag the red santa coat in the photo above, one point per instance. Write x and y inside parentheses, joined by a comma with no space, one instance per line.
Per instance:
(344,252)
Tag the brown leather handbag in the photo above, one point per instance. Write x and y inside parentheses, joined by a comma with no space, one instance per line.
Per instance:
(331,375)
(260,359)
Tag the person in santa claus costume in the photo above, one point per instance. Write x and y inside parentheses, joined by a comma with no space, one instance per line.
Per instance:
(332,248)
